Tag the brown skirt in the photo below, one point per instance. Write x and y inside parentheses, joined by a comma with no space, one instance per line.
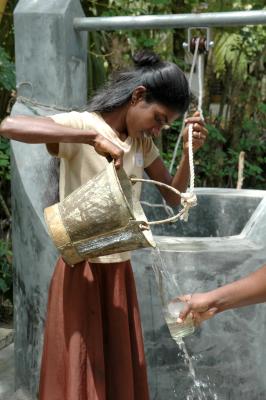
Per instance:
(93,346)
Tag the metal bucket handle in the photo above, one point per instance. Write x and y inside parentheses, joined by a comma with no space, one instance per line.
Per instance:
(187,198)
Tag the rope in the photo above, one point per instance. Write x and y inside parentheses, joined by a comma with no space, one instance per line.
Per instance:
(191,158)
(200,81)
(185,115)
(31,102)
(188,200)
(34,103)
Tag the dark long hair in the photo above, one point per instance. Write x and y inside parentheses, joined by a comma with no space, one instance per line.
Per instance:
(165,83)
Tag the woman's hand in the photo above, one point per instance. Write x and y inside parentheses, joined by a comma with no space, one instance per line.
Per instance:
(199,305)
(106,148)
(200,133)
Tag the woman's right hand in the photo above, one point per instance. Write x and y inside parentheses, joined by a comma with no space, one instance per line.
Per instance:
(106,148)
(199,305)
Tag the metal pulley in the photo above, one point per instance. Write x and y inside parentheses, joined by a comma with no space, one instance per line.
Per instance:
(205,42)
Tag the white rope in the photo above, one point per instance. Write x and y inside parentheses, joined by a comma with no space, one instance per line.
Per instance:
(194,60)
(200,82)
(188,200)
(191,199)
(191,158)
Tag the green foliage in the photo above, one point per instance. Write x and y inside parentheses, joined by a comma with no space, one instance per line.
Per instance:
(238,50)
(4,160)
(7,29)
(128,41)
(5,271)
(96,62)
(225,54)
(5,223)
(7,85)
(254,38)
(216,163)
(170,137)
(7,71)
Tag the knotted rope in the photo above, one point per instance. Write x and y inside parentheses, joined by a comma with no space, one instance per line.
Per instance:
(187,200)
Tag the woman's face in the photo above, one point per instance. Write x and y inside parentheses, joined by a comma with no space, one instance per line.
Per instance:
(147,119)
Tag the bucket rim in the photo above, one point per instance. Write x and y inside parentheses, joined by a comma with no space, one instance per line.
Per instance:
(116,173)
(137,212)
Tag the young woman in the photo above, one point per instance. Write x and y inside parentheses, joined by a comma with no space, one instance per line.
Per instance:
(93,347)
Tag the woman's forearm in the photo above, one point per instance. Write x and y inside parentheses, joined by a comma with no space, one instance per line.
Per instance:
(243,292)
(43,130)
(181,177)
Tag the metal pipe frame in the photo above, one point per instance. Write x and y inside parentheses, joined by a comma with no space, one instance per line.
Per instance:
(168,21)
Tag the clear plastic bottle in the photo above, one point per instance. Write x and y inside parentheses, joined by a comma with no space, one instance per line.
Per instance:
(177,330)
(169,290)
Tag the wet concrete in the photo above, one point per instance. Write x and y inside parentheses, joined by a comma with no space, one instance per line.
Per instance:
(34,173)
(223,241)
(6,337)
(7,371)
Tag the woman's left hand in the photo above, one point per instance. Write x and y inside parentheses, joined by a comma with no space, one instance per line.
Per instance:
(200,133)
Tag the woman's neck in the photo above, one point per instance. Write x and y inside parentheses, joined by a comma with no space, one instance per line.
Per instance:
(117,121)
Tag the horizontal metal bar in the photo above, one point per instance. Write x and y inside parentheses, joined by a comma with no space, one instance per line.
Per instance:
(235,18)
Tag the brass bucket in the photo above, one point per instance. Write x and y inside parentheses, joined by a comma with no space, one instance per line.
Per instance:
(99,218)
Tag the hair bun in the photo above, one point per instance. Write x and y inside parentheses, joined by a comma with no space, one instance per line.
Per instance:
(146,58)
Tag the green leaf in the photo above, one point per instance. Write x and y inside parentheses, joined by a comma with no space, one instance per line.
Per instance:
(3,286)
(7,71)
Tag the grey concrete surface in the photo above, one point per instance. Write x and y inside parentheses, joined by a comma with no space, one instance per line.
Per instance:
(51,70)
(7,372)
(223,240)
(7,376)
(229,352)
(6,337)
(51,58)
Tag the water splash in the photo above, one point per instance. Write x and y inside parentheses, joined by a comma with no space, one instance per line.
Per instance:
(168,289)
(199,389)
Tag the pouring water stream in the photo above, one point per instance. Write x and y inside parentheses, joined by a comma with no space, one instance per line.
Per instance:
(169,289)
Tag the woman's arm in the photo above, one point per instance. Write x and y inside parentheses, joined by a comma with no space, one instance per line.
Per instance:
(243,292)
(158,172)
(45,130)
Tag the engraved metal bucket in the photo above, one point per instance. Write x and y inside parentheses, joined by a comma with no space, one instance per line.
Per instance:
(99,218)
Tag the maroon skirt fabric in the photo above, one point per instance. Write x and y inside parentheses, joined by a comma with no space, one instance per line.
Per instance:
(93,346)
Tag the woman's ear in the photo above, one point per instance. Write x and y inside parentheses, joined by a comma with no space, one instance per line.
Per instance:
(138,94)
